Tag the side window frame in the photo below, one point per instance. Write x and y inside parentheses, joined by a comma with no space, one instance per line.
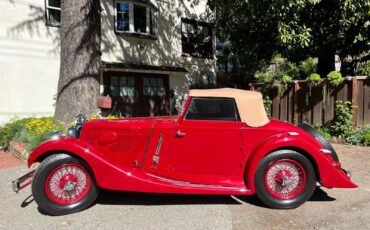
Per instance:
(151,17)
(48,8)
(236,111)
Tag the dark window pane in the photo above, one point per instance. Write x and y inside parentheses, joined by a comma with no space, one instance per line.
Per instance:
(54,16)
(54,3)
(222,109)
(153,86)
(196,38)
(123,22)
(140,19)
(114,90)
(122,86)
(115,81)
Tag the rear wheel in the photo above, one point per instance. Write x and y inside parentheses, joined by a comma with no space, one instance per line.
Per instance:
(284,179)
(63,185)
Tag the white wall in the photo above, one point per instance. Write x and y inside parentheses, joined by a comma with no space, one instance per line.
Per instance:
(29,60)
(166,49)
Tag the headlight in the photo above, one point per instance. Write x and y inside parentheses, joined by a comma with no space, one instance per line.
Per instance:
(80,118)
(55,135)
(72,132)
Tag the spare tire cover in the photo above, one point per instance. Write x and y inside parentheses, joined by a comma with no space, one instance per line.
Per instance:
(320,138)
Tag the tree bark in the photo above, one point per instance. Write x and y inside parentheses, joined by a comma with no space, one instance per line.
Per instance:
(326,63)
(78,85)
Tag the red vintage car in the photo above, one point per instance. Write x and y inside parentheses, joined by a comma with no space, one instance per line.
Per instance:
(222,142)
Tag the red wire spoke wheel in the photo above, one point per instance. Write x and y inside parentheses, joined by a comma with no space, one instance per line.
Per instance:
(63,185)
(67,184)
(285,179)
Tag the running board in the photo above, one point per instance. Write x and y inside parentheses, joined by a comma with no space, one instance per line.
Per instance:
(238,190)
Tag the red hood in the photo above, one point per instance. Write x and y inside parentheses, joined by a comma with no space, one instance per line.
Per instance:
(127,122)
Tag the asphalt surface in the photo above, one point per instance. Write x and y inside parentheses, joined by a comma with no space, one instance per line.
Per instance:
(327,209)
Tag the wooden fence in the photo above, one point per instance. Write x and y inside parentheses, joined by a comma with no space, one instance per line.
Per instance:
(299,103)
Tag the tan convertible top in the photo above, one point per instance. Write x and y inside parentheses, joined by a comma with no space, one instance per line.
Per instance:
(249,103)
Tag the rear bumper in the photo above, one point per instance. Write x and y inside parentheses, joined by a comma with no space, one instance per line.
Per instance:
(23,181)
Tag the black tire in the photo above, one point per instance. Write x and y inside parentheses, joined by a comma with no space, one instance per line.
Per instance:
(41,192)
(302,192)
(320,138)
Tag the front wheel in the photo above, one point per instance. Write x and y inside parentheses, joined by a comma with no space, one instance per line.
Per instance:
(284,179)
(63,185)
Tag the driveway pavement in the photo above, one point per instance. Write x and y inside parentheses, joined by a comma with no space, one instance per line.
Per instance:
(327,209)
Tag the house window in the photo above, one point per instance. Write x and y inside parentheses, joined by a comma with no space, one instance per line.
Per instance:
(196,38)
(153,86)
(52,12)
(123,20)
(136,18)
(219,109)
(121,86)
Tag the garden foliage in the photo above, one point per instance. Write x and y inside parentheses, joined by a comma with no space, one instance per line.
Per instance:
(32,131)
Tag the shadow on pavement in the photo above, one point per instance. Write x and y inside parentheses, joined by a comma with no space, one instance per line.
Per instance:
(131,198)
(27,201)
(321,195)
(135,198)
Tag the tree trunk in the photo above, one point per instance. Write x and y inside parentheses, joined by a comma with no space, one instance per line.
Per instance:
(78,85)
(326,63)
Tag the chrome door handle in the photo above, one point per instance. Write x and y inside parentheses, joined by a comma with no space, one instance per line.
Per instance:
(180,134)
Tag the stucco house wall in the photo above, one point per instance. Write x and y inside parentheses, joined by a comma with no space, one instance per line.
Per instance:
(166,50)
(29,53)
(29,60)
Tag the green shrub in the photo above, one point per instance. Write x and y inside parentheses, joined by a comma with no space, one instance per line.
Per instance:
(335,78)
(308,67)
(363,68)
(360,137)
(32,131)
(264,77)
(324,131)
(267,102)
(286,79)
(11,131)
(314,78)
(288,68)
(342,124)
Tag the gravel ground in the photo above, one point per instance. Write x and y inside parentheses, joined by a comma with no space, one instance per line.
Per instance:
(327,209)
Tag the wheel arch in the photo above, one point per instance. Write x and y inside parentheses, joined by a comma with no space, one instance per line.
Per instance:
(49,153)
(275,144)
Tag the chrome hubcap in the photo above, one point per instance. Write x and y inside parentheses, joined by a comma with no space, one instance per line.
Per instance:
(69,186)
(285,179)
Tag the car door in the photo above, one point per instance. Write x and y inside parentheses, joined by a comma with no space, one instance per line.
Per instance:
(207,146)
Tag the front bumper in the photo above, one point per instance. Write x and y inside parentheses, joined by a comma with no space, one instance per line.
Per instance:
(23,181)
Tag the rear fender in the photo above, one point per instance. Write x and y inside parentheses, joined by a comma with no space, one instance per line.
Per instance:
(329,175)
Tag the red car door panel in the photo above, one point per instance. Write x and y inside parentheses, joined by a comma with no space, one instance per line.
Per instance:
(206,152)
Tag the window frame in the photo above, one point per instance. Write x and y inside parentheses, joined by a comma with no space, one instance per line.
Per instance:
(151,16)
(235,106)
(47,13)
(157,88)
(120,85)
(196,24)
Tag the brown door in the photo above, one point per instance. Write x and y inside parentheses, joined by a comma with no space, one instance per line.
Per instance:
(136,94)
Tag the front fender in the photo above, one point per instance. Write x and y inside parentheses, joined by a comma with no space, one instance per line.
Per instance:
(62,144)
(103,170)
(330,176)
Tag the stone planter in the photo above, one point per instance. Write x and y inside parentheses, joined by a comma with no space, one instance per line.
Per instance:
(18,150)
